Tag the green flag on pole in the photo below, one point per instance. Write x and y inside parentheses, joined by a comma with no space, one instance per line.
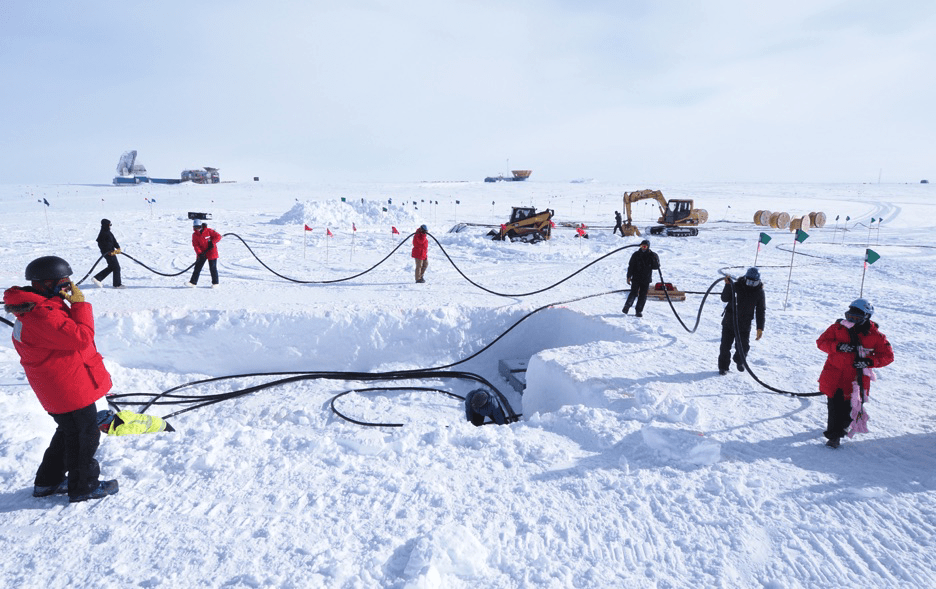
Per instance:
(764,238)
(871,256)
(801,235)
(872,219)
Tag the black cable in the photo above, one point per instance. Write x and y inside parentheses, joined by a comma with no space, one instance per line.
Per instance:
(93,266)
(319,281)
(701,305)
(533,292)
(739,348)
(372,389)
(183,271)
(199,401)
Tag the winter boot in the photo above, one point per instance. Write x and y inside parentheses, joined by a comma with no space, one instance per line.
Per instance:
(103,489)
(59,489)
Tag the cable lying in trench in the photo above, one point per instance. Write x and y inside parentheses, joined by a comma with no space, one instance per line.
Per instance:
(200,401)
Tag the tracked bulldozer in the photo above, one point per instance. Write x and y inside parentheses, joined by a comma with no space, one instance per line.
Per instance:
(678,217)
(525,225)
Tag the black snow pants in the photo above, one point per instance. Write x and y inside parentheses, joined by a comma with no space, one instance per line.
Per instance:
(72,451)
(112,266)
(212,267)
(728,338)
(638,291)
(839,416)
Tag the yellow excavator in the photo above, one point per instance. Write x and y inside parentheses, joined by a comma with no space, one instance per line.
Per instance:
(678,217)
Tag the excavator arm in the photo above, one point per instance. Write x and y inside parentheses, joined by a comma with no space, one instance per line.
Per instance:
(629,228)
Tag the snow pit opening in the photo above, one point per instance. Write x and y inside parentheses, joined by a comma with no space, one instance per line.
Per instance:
(347,339)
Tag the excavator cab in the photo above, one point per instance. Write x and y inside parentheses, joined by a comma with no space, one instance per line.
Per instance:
(676,211)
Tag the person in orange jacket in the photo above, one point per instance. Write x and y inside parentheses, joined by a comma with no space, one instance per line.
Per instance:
(205,241)
(421,252)
(854,345)
(55,343)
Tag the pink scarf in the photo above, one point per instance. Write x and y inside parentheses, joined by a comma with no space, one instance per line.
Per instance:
(859,424)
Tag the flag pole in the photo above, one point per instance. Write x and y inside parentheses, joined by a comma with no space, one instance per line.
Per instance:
(863,271)
(790,277)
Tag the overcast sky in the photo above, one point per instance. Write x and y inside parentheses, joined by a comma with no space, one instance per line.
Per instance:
(406,90)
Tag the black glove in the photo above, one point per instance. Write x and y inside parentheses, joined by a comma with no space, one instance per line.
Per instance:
(845,347)
(863,363)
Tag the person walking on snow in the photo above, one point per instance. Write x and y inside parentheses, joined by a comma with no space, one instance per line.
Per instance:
(617,224)
(750,303)
(109,247)
(205,242)
(421,252)
(55,343)
(854,345)
(639,274)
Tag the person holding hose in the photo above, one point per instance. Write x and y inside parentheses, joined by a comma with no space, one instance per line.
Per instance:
(639,274)
(746,296)
(421,252)
(204,240)
(109,247)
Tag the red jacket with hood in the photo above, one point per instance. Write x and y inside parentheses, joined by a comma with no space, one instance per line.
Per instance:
(55,343)
(839,371)
(205,242)
(420,245)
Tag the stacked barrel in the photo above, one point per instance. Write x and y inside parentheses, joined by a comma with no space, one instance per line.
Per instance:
(779,220)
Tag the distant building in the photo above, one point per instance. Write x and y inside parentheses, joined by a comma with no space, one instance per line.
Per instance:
(205,175)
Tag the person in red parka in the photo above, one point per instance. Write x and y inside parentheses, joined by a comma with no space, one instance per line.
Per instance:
(204,241)
(55,343)
(421,251)
(854,345)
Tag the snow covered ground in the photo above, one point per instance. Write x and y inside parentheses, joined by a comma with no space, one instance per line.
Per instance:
(634,464)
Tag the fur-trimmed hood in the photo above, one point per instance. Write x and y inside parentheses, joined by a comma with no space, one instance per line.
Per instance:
(21,300)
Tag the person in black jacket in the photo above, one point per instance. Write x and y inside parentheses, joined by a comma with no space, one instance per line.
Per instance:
(480,404)
(639,274)
(749,301)
(109,247)
(617,224)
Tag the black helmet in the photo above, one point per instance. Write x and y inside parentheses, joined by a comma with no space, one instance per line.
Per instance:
(48,268)
(105,222)
(645,242)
